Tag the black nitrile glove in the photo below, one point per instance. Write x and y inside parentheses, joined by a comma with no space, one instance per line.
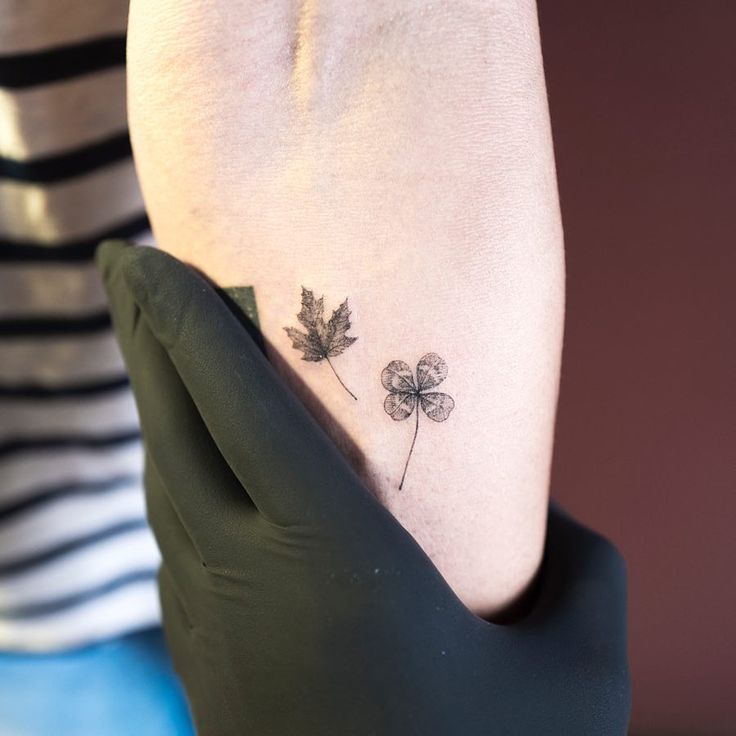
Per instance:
(294,603)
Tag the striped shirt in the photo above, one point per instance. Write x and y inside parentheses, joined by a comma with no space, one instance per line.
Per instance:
(77,561)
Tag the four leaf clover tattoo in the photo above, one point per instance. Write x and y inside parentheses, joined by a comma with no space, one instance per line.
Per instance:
(322,340)
(404,394)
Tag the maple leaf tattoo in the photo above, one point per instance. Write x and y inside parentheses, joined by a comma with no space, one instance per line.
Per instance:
(404,394)
(322,340)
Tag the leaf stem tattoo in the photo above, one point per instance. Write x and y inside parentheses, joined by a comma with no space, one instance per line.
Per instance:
(322,340)
(404,394)
(329,362)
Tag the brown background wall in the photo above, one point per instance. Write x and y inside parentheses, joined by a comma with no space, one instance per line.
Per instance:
(643,100)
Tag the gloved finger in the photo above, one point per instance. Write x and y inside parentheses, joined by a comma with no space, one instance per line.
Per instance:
(208,499)
(176,546)
(582,595)
(287,463)
(178,628)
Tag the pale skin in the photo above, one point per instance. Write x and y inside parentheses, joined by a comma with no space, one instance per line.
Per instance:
(397,154)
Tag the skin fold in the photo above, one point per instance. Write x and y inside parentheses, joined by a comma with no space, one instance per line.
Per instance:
(397,155)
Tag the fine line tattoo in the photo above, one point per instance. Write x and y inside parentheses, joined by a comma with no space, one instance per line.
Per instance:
(404,394)
(322,340)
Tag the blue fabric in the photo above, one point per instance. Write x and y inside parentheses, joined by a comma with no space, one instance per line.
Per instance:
(122,687)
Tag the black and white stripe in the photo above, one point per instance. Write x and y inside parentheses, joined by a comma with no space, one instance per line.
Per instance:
(83,160)
(59,119)
(41,67)
(104,385)
(77,561)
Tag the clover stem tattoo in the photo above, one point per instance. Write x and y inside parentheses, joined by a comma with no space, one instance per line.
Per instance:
(322,340)
(411,449)
(405,394)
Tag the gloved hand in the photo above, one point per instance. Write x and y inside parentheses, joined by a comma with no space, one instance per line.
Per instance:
(293,602)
